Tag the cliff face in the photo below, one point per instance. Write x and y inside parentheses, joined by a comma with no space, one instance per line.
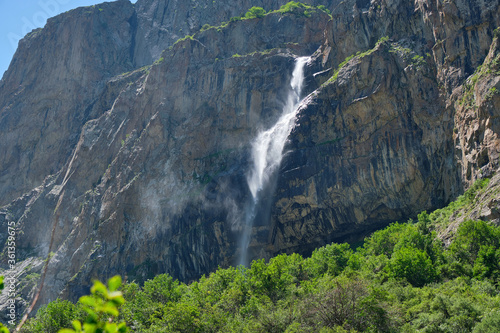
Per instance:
(46,96)
(400,129)
(142,171)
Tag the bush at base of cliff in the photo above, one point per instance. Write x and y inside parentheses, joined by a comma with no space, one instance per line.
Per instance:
(53,316)
(413,265)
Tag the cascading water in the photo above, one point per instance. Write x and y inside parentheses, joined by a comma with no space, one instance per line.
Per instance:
(267,153)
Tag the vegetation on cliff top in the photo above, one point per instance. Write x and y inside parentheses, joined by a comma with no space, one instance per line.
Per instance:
(403,279)
(293,7)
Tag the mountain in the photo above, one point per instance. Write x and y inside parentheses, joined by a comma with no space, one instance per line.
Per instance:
(128,131)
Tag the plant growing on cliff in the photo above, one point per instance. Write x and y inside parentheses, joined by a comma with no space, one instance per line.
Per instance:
(255,12)
(292,6)
(51,317)
(358,55)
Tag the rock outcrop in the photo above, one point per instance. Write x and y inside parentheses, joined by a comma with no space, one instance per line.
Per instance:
(48,94)
(135,171)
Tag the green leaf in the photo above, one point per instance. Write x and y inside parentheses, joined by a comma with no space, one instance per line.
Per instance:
(110,309)
(77,325)
(114,283)
(122,328)
(99,288)
(116,297)
(89,328)
(110,328)
(88,300)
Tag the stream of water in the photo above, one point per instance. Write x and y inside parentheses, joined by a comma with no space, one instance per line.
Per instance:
(267,153)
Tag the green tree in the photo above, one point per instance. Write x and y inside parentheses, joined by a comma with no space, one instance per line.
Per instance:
(489,324)
(412,264)
(383,241)
(275,279)
(163,288)
(471,236)
(331,259)
(176,317)
(487,263)
(52,317)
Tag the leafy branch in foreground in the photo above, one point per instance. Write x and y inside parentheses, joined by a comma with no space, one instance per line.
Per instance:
(102,309)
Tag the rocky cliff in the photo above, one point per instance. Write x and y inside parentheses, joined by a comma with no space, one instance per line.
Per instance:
(116,168)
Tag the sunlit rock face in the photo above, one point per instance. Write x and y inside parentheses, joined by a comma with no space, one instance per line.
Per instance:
(138,171)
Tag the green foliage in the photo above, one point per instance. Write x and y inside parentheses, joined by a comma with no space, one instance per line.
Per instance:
(184,38)
(340,66)
(412,264)
(293,7)
(489,324)
(206,26)
(51,317)
(475,251)
(441,217)
(471,238)
(163,288)
(331,259)
(300,9)
(102,309)
(275,280)
(418,61)
(492,92)
(159,61)
(358,55)
(3,329)
(383,241)
(255,12)
(347,304)
(323,8)
(496,32)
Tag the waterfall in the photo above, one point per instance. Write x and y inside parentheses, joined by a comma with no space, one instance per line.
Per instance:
(267,153)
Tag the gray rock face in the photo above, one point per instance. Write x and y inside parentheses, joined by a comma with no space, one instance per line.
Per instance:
(140,171)
(50,89)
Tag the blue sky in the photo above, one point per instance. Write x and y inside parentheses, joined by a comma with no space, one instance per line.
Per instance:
(18,17)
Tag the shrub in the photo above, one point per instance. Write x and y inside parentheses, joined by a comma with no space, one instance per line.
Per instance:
(346,304)
(51,317)
(489,324)
(275,279)
(163,288)
(330,259)
(255,12)
(471,236)
(291,6)
(487,264)
(383,241)
(412,264)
